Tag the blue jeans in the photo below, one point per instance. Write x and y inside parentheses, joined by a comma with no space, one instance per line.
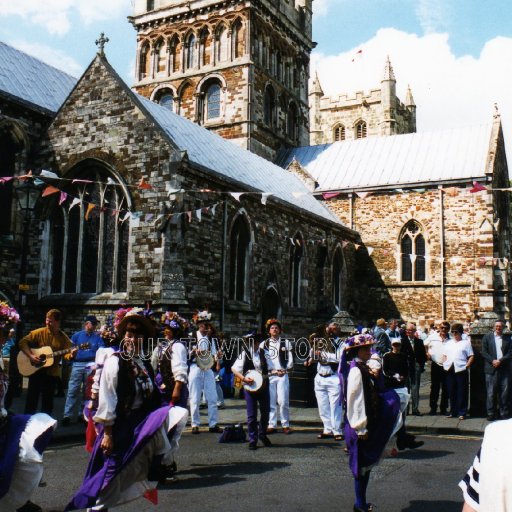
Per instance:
(76,388)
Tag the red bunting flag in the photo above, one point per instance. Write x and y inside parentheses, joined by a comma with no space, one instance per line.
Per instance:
(330,195)
(26,176)
(477,187)
(152,496)
(143,185)
(49,190)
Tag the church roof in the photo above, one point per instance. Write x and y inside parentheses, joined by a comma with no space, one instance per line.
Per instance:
(31,81)
(216,154)
(413,158)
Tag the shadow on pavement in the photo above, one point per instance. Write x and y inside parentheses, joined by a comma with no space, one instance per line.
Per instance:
(213,475)
(433,506)
(423,454)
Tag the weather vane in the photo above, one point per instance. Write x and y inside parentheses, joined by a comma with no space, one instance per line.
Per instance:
(100,43)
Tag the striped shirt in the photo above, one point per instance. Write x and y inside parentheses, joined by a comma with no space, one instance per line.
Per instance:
(470,484)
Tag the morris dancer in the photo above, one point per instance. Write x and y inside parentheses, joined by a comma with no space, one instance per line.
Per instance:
(169,362)
(134,431)
(327,354)
(203,379)
(23,439)
(254,357)
(280,359)
(371,414)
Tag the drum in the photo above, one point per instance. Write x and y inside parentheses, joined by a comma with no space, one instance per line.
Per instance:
(257,378)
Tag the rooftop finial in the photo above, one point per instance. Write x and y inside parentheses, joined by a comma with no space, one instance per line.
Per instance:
(100,43)
(389,74)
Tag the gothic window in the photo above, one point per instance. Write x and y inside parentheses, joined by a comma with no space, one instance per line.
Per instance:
(292,122)
(161,57)
(150,5)
(296,260)
(339,133)
(221,44)
(190,51)
(90,255)
(360,130)
(238,37)
(165,97)
(205,47)
(279,67)
(412,248)
(174,49)
(239,259)
(144,61)
(337,276)
(11,145)
(213,101)
(269,107)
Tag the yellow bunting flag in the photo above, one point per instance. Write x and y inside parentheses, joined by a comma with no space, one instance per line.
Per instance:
(90,207)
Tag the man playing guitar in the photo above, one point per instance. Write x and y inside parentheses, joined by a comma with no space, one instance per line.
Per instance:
(43,381)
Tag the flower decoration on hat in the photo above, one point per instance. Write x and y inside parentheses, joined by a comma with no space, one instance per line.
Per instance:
(8,315)
(201,316)
(120,314)
(272,321)
(174,320)
(360,340)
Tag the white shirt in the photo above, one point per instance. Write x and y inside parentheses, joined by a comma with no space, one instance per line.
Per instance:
(238,365)
(327,357)
(273,354)
(179,364)
(356,410)
(457,354)
(499,346)
(107,398)
(435,347)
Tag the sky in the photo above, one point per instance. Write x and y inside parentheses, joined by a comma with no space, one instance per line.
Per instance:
(455,54)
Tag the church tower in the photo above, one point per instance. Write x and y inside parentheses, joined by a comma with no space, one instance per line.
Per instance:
(239,68)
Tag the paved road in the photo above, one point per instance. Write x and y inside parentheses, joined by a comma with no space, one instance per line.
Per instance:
(299,473)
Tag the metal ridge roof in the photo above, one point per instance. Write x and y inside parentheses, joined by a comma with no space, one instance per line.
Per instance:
(32,81)
(451,154)
(211,151)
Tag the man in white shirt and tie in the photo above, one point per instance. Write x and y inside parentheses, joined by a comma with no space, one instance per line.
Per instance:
(280,362)
(497,353)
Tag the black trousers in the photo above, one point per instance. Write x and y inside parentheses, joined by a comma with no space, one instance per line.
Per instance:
(438,384)
(40,384)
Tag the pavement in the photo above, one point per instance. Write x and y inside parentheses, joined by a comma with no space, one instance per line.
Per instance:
(301,417)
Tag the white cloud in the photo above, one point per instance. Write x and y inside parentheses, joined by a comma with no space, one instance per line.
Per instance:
(55,15)
(52,56)
(448,90)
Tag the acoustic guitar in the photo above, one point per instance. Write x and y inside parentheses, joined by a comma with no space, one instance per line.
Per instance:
(46,356)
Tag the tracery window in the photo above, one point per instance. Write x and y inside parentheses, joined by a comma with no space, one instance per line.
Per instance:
(144,61)
(413,251)
(361,130)
(221,44)
(339,133)
(239,259)
(90,255)
(296,260)
(292,122)
(269,106)
(165,97)
(190,51)
(174,49)
(205,47)
(212,100)
(161,57)
(238,37)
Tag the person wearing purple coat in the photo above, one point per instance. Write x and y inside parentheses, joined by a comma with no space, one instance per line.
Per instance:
(372,414)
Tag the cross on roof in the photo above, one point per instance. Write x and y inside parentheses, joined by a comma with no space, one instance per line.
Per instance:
(100,43)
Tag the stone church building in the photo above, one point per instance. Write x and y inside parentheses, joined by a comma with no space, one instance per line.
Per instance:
(200,186)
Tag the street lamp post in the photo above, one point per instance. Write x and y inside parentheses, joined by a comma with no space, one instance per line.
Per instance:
(26,196)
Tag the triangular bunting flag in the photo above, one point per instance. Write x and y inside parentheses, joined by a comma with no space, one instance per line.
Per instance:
(344,243)
(74,203)
(236,195)
(90,208)
(497,224)
(27,176)
(264,197)
(49,190)
(292,241)
(370,250)
(198,214)
(63,197)
(143,185)
(148,217)
(213,210)
(357,246)
(5,179)
(363,195)
(189,215)
(152,496)
(49,174)
(330,195)
(110,181)
(127,216)
(400,190)
(477,187)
